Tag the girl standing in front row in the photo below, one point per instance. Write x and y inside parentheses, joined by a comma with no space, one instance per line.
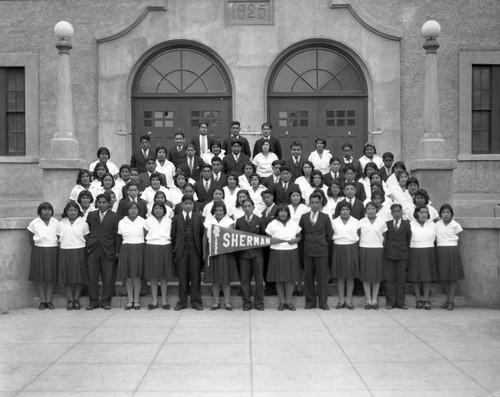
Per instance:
(73,232)
(450,266)
(43,266)
(422,267)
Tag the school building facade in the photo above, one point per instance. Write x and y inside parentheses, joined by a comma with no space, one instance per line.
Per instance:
(348,71)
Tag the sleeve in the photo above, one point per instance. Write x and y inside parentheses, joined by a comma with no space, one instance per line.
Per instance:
(86,229)
(120,227)
(256,148)
(278,149)
(270,229)
(31,226)
(58,229)
(458,228)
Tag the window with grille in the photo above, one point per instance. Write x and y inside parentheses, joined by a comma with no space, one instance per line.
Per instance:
(12,111)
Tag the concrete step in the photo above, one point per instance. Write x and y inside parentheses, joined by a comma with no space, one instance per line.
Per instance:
(270,302)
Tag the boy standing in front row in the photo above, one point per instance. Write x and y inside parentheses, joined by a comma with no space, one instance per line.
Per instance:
(187,233)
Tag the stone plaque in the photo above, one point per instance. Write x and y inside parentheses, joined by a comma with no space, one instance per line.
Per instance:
(247,12)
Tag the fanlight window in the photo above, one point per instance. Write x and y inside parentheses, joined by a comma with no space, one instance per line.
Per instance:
(317,72)
(181,71)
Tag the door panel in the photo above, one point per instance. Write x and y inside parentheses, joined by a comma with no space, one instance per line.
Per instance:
(163,117)
(338,120)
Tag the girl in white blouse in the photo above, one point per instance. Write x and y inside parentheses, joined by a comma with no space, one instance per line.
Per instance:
(264,161)
(43,265)
(248,170)
(255,191)
(164,166)
(450,267)
(217,197)
(158,259)
(284,265)
(422,198)
(73,233)
(371,254)
(83,181)
(304,181)
(370,156)
(149,193)
(345,262)
(99,171)
(334,196)
(316,183)
(422,267)
(130,258)
(321,156)
(85,201)
(297,209)
(231,192)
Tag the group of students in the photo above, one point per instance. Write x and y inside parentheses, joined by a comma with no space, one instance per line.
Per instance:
(340,218)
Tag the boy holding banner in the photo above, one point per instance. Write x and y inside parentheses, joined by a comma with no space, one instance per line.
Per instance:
(251,261)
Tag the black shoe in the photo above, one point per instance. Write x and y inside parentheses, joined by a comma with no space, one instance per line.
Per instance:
(309,307)
(259,308)
(198,306)
(324,307)
(179,306)
(404,307)
(50,305)
(290,306)
(42,306)
(247,308)
(215,306)
(281,308)
(91,307)
(108,307)
(152,306)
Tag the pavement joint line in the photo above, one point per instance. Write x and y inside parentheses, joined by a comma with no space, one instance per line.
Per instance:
(441,354)
(69,349)
(158,352)
(344,353)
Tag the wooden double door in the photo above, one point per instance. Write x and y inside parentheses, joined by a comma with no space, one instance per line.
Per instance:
(338,120)
(163,117)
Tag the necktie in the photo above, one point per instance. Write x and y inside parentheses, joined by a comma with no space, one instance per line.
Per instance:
(336,176)
(296,161)
(248,220)
(207,185)
(203,144)
(216,177)
(179,148)
(236,158)
(285,185)
(101,215)
(276,179)
(191,164)
(145,153)
(313,217)
(396,225)
(188,218)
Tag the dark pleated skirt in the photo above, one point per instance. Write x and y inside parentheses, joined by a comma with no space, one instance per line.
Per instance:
(43,264)
(221,269)
(284,266)
(371,265)
(159,262)
(450,267)
(345,261)
(130,261)
(422,265)
(73,266)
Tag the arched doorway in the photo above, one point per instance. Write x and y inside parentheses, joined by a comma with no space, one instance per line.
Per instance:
(175,89)
(317,89)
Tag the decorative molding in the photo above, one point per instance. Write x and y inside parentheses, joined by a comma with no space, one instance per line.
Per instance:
(131,22)
(367,20)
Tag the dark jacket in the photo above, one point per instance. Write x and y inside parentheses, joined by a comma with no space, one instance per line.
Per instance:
(397,242)
(103,234)
(245,148)
(256,226)
(358,209)
(274,146)
(123,204)
(316,238)
(178,235)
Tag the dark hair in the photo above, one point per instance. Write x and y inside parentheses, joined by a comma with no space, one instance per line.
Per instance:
(324,200)
(234,122)
(372,145)
(302,201)
(159,193)
(201,123)
(313,174)
(267,191)
(379,185)
(285,168)
(105,196)
(179,173)
(162,206)
(187,198)
(248,163)
(215,158)
(144,138)
(423,193)
(276,162)
(205,165)
(446,207)
(283,208)
(104,176)
(350,167)
(403,173)
(123,167)
(191,145)
(100,164)
(132,184)
(81,173)
(215,142)
(132,169)
(220,189)
(412,179)
(236,142)
(179,133)
(155,175)
(345,204)
(374,173)
(188,185)
(131,204)
(84,193)
(322,140)
(44,206)
(161,147)
(334,182)
(238,205)
(103,150)
(296,143)
(267,124)
(372,204)
(347,144)
(248,200)
(419,208)
(396,205)
(218,205)
(334,158)
(235,175)
(378,193)
(350,184)
(318,196)
(308,163)
(71,204)
(400,164)
(371,164)
(387,155)
(255,175)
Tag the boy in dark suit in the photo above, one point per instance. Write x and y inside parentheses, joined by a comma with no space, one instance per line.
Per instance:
(358,209)
(268,216)
(205,187)
(281,190)
(150,170)
(102,252)
(296,161)
(317,233)
(350,176)
(251,261)
(191,164)
(203,142)
(235,136)
(336,172)
(347,159)
(397,247)
(385,171)
(274,143)
(138,159)
(132,195)
(187,234)
(235,161)
(135,178)
(219,177)
(275,177)
(178,152)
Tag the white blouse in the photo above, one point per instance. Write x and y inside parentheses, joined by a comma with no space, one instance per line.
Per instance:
(321,163)
(243,182)
(422,236)
(207,157)
(75,192)
(255,195)
(296,213)
(309,190)
(447,235)
(264,164)
(372,234)
(158,232)
(89,210)
(376,159)
(344,234)
(112,168)
(224,222)
(176,195)
(169,214)
(230,199)
(432,212)
(331,206)
(132,232)
(167,169)
(72,236)
(44,235)
(276,229)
